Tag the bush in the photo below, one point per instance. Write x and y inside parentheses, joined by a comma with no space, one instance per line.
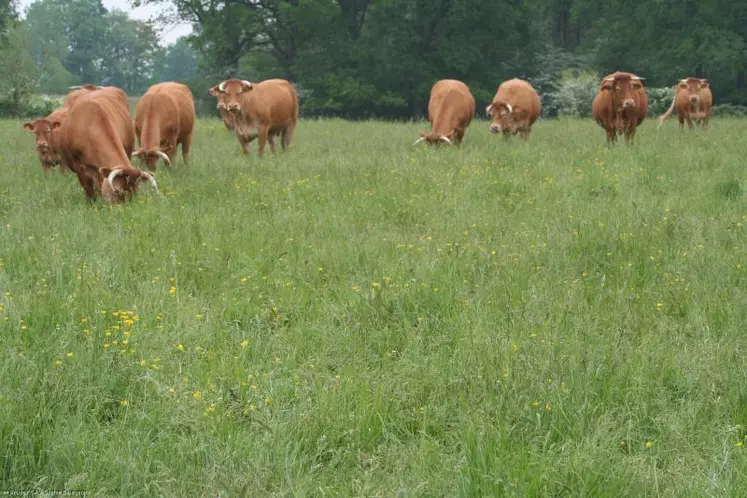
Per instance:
(659,100)
(40,105)
(729,110)
(572,97)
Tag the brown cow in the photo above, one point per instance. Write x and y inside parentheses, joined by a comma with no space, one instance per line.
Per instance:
(164,118)
(692,100)
(620,105)
(96,142)
(450,111)
(515,108)
(262,110)
(46,131)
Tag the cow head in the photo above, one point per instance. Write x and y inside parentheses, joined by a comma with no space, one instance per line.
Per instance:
(151,157)
(623,88)
(45,130)
(120,183)
(433,138)
(503,117)
(692,88)
(229,94)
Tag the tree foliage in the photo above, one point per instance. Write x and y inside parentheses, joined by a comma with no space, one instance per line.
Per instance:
(360,57)
(381,57)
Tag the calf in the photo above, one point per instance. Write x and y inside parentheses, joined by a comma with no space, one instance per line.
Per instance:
(515,108)
(259,110)
(164,118)
(450,111)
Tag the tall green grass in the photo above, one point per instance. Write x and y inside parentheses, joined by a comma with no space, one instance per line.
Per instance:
(359,317)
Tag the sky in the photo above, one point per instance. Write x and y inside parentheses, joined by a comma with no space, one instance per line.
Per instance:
(169,34)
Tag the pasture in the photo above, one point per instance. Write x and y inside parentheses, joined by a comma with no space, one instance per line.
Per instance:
(359,317)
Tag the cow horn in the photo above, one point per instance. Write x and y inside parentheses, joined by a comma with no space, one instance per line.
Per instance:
(487,109)
(222,86)
(684,80)
(445,139)
(112,176)
(151,179)
(638,78)
(247,83)
(418,140)
(510,109)
(163,156)
(137,153)
(609,79)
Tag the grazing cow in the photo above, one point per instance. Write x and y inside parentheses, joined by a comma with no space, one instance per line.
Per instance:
(96,142)
(450,111)
(259,110)
(515,108)
(620,105)
(692,100)
(164,118)
(46,131)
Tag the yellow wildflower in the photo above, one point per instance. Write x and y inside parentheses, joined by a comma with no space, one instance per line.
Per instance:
(197,395)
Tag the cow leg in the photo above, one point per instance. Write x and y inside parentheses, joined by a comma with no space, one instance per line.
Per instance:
(271,140)
(263,132)
(689,122)
(89,186)
(287,136)
(682,121)
(186,143)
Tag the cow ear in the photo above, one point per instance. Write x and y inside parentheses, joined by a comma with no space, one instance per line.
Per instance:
(606,85)
(28,126)
(488,109)
(704,83)
(214,91)
(246,85)
(55,125)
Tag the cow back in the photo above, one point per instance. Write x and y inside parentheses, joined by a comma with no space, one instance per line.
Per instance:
(451,106)
(273,102)
(98,130)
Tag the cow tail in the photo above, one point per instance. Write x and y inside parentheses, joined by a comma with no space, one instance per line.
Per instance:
(666,115)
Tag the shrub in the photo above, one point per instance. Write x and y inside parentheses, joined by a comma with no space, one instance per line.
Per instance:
(729,110)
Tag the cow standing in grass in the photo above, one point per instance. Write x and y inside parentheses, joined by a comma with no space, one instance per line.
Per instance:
(164,118)
(96,142)
(620,105)
(450,111)
(515,108)
(692,101)
(260,110)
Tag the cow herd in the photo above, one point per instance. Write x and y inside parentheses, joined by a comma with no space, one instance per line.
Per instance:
(619,106)
(93,135)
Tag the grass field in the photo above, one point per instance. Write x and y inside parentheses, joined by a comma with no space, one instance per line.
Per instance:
(359,317)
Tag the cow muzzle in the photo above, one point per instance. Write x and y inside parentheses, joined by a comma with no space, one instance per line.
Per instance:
(694,99)
(233,107)
(494,128)
(628,103)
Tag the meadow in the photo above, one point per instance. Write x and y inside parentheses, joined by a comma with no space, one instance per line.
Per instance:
(359,317)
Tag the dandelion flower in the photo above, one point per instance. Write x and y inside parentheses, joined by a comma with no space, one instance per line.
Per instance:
(244,344)
(172,291)
(649,444)
(197,395)
(124,402)
(180,347)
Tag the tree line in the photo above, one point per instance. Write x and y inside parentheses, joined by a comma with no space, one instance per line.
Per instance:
(361,58)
